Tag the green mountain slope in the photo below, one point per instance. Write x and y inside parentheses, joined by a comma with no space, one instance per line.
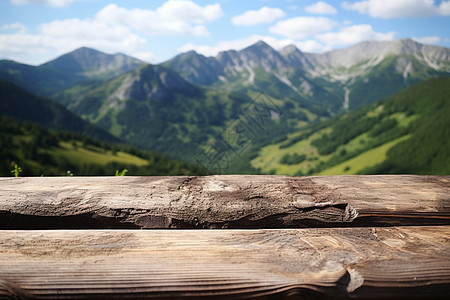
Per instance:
(155,108)
(41,151)
(17,103)
(151,107)
(38,80)
(394,73)
(406,133)
(181,106)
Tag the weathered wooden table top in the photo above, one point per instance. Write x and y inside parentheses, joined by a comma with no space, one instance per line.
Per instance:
(364,237)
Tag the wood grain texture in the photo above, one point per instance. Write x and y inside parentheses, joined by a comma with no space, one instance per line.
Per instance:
(366,263)
(224,201)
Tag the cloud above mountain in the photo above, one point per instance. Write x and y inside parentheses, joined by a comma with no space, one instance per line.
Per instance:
(173,17)
(388,9)
(263,15)
(428,39)
(35,31)
(321,8)
(301,27)
(354,34)
(113,27)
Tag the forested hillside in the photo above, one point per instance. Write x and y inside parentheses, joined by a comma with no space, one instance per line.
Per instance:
(18,103)
(41,151)
(406,133)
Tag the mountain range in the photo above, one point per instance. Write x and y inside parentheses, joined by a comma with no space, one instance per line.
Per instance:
(338,79)
(83,64)
(183,106)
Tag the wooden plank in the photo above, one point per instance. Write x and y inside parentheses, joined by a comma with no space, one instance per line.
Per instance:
(225,201)
(369,263)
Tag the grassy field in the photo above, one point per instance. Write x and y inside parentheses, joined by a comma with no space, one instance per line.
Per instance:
(41,151)
(364,160)
(269,158)
(413,123)
(74,151)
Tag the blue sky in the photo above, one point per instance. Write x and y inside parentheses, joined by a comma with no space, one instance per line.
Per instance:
(35,31)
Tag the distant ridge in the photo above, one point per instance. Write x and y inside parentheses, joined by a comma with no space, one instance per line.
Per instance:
(93,63)
(330,78)
(66,70)
(261,54)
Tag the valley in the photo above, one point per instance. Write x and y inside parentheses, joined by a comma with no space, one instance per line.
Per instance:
(40,151)
(323,118)
(405,133)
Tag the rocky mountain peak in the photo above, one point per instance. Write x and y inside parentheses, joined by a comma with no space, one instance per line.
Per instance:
(288,50)
(91,62)
(261,54)
(295,57)
(85,52)
(240,68)
(411,44)
(190,52)
(195,67)
(154,82)
(258,49)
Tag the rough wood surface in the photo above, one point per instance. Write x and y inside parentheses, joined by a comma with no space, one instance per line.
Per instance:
(407,262)
(232,201)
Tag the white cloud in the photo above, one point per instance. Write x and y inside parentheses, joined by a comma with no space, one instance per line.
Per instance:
(428,40)
(91,33)
(238,44)
(389,9)
(66,35)
(444,8)
(146,56)
(312,46)
(112,29)
(301,27)
(163,21)
(55,3)
(173,17)
(188,11)
(17,27)
(263,15)
(353,34)
(321,8)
